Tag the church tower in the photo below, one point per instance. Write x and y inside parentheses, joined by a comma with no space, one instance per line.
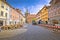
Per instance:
(26,14)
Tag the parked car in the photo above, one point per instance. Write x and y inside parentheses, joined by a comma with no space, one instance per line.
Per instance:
(34,23)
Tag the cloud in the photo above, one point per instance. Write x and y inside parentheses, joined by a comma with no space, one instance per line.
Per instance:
(35,9)
(47,2)
(24,9)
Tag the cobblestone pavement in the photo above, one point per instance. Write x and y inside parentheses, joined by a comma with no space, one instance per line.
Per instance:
(32,32)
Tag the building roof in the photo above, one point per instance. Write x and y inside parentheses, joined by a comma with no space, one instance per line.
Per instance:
(6,3)
(42,9)
(51,1)
(56,1)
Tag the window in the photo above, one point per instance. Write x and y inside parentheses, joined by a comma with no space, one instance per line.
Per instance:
(1,13)
(48,19)
(2,5)
(7,8)
(15,22)
(1,23)
(6,14)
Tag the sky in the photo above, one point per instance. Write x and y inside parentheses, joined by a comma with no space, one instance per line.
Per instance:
(33,6)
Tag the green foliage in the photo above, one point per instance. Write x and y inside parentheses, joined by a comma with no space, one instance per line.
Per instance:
(34,19)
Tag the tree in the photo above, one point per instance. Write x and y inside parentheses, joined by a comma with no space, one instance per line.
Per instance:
(33,19)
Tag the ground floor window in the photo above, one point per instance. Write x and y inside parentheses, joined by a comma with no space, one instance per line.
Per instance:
(1,23)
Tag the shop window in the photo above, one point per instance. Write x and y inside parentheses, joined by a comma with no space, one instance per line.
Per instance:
(1,13)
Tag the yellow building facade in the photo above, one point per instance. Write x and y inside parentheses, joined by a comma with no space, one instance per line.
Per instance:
(38,16)
(44,14)
(4,11)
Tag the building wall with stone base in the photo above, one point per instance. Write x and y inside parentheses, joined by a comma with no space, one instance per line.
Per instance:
(54,12)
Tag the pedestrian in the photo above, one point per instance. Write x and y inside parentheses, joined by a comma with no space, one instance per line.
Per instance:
(0,29)
(39,22)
